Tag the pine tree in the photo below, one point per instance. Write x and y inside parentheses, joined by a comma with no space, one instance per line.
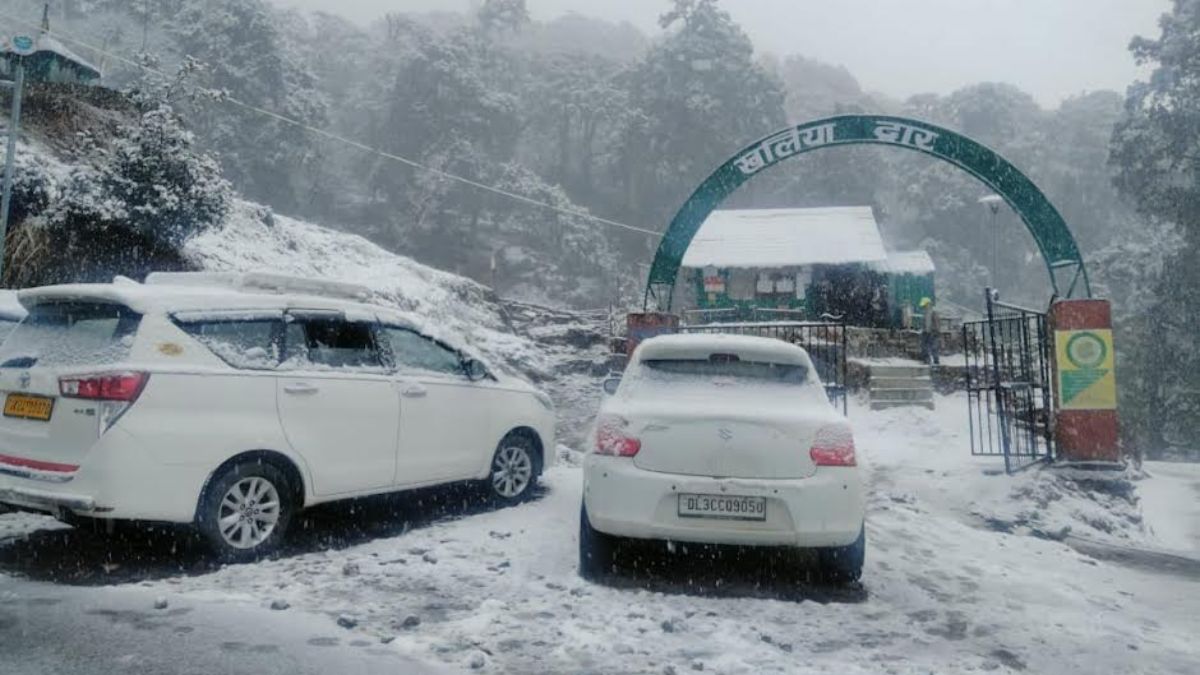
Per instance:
(1156,151)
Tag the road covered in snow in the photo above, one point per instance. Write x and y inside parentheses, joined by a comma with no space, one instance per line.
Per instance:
(968,570)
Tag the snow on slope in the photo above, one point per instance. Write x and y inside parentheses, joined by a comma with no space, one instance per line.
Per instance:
(254,239)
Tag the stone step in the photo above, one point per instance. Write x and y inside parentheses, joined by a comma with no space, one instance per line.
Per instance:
(901,382)
(901,395)
(899,371)
(883,405)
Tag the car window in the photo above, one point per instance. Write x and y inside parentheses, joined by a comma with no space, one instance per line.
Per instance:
(250,343)
(413,351)
(71,333)
(332,343)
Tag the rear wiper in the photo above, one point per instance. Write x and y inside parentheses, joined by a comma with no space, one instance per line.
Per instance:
(20,362)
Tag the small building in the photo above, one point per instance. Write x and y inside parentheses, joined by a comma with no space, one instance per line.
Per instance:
(800,264)
(50,62)
(909,276)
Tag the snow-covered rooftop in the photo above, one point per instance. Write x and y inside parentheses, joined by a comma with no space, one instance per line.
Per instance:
(786,237)
(905,262)
(10,307)
(47,43)
(51,45)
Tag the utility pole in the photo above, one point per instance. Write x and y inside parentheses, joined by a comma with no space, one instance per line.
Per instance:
(22,46)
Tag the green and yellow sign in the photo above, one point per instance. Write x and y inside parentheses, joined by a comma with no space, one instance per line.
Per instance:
(1086,380)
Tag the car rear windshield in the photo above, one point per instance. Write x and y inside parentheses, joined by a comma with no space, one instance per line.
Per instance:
(71,333)
(730,366)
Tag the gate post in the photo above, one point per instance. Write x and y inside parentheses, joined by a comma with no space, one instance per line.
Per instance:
(1085,387)
(645,325)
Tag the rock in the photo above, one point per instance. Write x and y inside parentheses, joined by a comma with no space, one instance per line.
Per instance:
(280,605)
(350,569)
(411,621)
(160,603)
(477,661)
(346,621)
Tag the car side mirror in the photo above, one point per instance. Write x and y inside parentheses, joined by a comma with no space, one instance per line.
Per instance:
(611,384)
(474,370)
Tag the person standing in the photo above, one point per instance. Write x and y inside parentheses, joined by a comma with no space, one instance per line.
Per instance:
(930,328)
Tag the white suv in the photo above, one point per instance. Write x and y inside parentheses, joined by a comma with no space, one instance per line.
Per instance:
(722,439)
(233,401)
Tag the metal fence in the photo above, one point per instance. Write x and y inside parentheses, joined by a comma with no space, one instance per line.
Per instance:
(825,342)
(1010,404)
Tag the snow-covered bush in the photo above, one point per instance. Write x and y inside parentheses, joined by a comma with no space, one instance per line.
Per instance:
(154,181)
(125,208)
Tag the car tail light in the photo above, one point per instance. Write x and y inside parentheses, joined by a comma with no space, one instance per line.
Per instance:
(612,437)
(833,446)
(104,387)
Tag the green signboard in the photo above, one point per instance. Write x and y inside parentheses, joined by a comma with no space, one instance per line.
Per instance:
(1049,231)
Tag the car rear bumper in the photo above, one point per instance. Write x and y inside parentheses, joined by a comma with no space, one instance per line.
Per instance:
(45,500)
(826,509)
(118,478)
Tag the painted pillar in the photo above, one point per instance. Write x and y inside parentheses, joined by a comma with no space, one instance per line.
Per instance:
(645,325)
(1085,386)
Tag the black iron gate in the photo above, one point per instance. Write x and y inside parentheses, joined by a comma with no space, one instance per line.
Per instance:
(1008,384)
(825,342)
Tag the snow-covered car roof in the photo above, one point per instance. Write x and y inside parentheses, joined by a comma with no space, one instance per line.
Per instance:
(10,307)
(200,292)
(702,346)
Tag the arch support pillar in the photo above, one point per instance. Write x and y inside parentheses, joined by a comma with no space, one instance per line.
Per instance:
(1087,427)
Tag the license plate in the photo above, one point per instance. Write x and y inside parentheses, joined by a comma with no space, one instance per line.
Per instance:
(28,407)
(722,506)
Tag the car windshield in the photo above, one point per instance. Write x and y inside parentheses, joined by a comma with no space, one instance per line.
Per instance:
(71,333)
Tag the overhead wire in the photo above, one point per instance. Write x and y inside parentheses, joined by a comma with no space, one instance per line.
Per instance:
(324,133)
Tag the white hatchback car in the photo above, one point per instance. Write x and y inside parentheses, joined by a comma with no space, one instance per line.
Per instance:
(726,440)
(233,401)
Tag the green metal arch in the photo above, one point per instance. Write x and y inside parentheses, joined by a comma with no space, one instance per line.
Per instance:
(1049,230)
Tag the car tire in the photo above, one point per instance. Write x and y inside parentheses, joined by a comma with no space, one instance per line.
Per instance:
(245,510)
(596,550)
(514,469)
(843,564)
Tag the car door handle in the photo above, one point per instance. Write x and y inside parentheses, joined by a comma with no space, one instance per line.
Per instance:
(300,388)
(413,391)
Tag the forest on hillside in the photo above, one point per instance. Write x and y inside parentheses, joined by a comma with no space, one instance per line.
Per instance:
(596,116)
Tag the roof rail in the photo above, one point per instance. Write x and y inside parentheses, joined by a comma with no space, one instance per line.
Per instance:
(261,282)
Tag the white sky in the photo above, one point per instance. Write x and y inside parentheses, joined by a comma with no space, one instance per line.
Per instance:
(1050,48)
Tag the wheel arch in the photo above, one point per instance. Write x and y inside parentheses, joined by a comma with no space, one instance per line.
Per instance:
(273,457)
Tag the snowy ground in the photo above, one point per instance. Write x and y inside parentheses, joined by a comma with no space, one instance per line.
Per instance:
(957,579)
